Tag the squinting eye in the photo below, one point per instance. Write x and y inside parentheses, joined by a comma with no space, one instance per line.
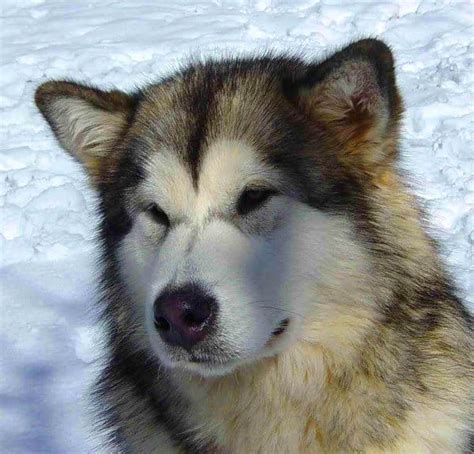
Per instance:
(157,214)
(251,199)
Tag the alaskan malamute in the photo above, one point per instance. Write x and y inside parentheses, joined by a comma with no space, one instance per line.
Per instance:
(267,282)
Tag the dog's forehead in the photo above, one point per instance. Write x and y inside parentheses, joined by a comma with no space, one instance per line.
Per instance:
(188,113)
(227,167)
(208,132)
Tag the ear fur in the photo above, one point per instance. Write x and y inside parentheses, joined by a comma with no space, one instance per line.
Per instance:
(86,121)
(353,96)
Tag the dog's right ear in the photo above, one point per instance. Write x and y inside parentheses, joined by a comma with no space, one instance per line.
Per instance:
(86,121)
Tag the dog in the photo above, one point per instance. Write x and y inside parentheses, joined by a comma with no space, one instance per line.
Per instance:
(268,284)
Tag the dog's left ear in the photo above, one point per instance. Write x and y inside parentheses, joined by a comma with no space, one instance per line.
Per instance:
(86,121)
(353,98)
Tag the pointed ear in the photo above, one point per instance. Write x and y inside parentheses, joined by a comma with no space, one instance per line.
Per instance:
(86,121)
(353,96)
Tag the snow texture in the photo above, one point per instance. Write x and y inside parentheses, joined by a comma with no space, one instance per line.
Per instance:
(48,339)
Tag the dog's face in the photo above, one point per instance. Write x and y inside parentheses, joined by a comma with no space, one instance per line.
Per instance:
(237,240)
(228,204)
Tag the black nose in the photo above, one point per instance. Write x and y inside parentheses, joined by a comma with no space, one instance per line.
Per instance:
(184,316)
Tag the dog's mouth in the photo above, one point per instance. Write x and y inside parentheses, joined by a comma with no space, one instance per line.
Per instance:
(211,362)
(278,331)
(281,328)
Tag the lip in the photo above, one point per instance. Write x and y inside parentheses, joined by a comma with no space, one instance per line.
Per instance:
(211,366)
(211,362)
(197,360)
(281,328)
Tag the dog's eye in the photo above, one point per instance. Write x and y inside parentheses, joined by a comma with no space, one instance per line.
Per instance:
(157,214)
(251,199)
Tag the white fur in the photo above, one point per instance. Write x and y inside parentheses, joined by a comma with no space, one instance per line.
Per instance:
(258,279)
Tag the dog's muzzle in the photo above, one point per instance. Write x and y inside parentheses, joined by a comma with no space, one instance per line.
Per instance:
(184,316)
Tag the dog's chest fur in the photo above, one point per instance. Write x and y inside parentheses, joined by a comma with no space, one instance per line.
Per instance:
(245,411)
(302,397)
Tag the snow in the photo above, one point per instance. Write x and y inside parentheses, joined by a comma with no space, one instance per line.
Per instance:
(48,339)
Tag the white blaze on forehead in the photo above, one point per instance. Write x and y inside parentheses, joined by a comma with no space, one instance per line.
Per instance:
(227,167)
(169,184)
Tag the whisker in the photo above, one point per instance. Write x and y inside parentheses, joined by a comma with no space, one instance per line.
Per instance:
(278,309)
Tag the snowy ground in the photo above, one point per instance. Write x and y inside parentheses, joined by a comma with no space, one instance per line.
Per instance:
(47,338)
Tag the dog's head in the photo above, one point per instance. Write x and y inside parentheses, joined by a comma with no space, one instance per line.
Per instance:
(231,193)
